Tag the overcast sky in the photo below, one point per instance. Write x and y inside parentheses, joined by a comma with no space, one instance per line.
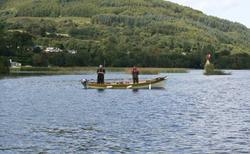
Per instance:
(234,10)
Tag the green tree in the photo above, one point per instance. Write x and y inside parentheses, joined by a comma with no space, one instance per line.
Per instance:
(40,60)
(4,65)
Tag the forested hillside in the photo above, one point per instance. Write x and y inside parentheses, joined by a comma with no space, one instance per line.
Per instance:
(153,33)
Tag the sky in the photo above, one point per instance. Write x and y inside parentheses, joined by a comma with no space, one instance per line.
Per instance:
(233,10)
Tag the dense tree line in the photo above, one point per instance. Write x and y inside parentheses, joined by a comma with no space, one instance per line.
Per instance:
(4,63)
(130,21)
(114,52)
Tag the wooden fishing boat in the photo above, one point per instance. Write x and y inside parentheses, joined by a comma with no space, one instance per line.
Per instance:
(156,83)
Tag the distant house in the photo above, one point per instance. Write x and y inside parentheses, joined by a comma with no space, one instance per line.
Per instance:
(72,51)
(52,49)
(15,64)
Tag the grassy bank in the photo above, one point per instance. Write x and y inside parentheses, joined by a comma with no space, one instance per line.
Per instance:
(210,70)
(159,70)
(82,70)
(217,72)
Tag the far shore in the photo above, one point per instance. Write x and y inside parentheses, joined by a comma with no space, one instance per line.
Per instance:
(82,70)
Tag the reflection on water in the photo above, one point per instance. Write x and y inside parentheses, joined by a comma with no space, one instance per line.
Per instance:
(100,90)
(194,114)
(135,90)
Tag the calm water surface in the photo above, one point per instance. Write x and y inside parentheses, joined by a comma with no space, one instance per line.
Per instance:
(194,114)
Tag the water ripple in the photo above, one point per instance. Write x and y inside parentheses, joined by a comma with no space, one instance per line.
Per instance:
(194,114)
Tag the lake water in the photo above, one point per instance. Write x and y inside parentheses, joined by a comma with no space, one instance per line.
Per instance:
(194,114)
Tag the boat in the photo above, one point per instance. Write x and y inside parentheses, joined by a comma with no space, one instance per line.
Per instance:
(156,83)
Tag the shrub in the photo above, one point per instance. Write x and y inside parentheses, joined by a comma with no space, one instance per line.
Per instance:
(209,70)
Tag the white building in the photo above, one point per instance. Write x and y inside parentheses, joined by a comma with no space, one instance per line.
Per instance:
(72,51)
(15,64)
(52,49)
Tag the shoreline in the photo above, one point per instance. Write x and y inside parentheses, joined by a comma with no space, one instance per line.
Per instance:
(82,70)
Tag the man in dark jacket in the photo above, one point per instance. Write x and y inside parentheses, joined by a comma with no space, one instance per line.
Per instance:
(135,74)
(100,74)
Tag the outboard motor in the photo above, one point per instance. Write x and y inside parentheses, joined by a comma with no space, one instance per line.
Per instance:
(84,83)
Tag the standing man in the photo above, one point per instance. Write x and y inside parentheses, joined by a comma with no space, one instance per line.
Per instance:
(208,59)
(100,74)
(135,74)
